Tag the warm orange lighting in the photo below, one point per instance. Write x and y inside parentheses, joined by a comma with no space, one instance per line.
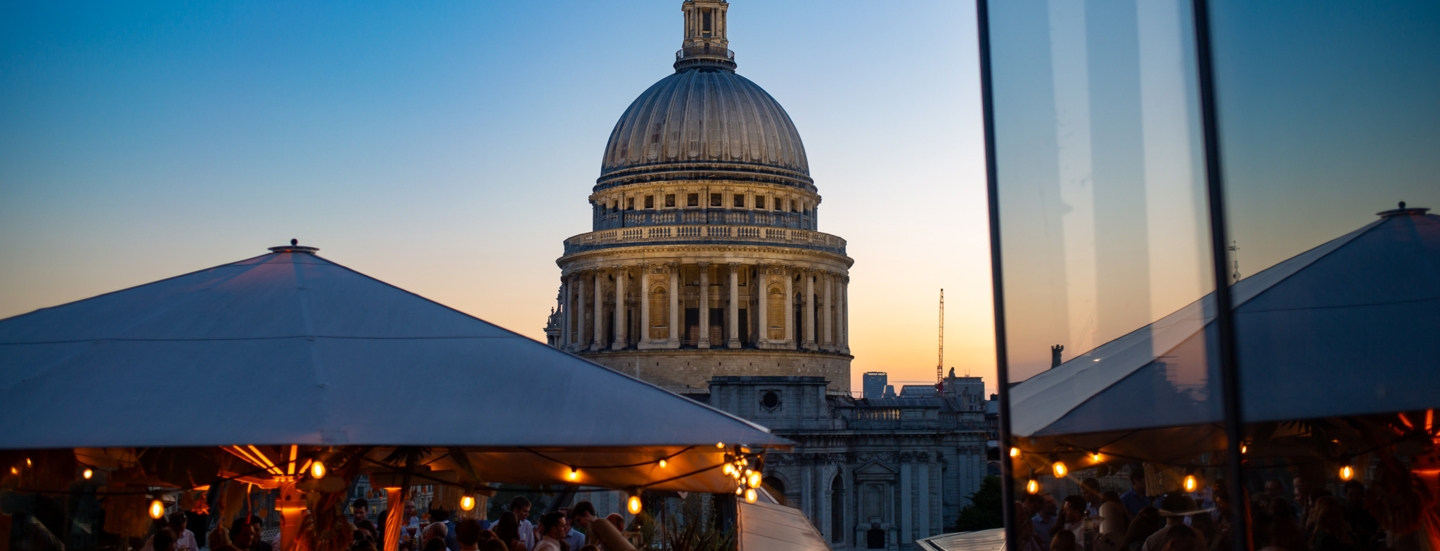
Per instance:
(1014,452)
(664,463)
(634,505)
(157,509)
(1095,456)
(87,474)
(574,474)
(729,469)
(317,469)
(14,470)
(1032,487)
(720,445)
(1347,472)
(739,491)
(1191,483)
(467,503)
(1244,448)
(1060,469)
(751,496)
(28,463)
(753,479)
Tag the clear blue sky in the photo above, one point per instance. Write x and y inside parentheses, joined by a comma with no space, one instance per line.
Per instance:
(448,147)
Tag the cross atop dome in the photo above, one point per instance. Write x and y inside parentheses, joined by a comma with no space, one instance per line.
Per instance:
(705,43)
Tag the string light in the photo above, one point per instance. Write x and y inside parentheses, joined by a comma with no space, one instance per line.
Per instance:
(1095,456)
(1244,448)
(467,503)
(753,479)
(1347,472)
(14,470)
(317,469)
(1191,483)
(739,491)
(751,496)
(1032,487)
(634,505)
(1014,452)
(28,463)
(720,445)
(1060,469)
(664,463)
(574,474)
(729,469)
(157,509)
(87,474)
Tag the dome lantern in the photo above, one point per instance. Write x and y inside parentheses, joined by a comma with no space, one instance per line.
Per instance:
(705,43)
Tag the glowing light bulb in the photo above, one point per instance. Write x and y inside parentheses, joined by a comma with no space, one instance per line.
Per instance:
(634,505)
(1095,456)
(157,509)
(664,463)
(720,445)
(317,469)
(28,463)
(467,503)
(751,495)
(14,470)
(753,479)
(744,461)
(1191,483)
(87,474)
(1032,487)
(1014,452)
(1347,472)
(574,474)
(740,491)
(1244,448)
(1060,469)
(729,469)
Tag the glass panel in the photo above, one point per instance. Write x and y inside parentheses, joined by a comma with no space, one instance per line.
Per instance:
(1106,263)
(1328,113)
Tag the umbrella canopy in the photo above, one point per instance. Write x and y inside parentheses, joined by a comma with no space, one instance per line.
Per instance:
(291,348)
(1347,328)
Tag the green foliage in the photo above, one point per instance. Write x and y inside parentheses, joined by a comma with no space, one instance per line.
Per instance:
(695,527)
(984,510)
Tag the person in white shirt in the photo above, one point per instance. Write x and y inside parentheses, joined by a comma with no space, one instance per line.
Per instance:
(553,529)
(184,539)
(521,507)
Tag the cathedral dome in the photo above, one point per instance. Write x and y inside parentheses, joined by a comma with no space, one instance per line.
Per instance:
(707,119)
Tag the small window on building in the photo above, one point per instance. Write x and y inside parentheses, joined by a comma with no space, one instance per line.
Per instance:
(794,206)
(759,201)
(739,201)
(669,200)
(649,201)
(715,200)
(630,203)
(779,204)
(692,200)
(770,400)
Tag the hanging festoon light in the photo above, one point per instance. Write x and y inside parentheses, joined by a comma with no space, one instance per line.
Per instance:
(88,474)
(317,470)
(720,445)
(1033,486)
(574,474)
(751,495)
(664,463)
(1095,456)
(1014,452)
(157,509)
(1347,472)
(754,479)
(634,505)
(728,469)
(1191,483)
(1059,468)
(467,503)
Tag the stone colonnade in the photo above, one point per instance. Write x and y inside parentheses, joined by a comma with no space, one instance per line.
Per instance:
(635,306)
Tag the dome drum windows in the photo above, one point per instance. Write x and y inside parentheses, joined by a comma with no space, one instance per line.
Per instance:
(649,201)
(692,200)
(670,200)
(739,201)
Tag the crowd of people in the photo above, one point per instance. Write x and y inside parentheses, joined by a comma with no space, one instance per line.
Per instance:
(568,529)
(1096,520)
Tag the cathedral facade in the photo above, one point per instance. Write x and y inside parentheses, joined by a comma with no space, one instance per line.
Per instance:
(705,273)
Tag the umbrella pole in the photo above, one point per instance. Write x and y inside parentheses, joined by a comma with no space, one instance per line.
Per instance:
(292,511)
(395,519)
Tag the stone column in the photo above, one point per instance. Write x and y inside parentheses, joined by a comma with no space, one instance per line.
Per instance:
(644,336)
(923,485)
(620,321)
(907,521)
(763,291)
(809,301)
(567,309)
(674,341)
(789,310)
(580,335)
(845,314)
(704,305)
(827,327)
(734,309)
(599,340)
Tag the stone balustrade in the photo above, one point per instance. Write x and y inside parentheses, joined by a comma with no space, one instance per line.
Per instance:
(705,234)
(628,219)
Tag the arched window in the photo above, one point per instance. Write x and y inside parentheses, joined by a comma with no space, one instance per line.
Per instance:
(837,510)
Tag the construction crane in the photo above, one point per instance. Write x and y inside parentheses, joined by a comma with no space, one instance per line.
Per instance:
(940,363)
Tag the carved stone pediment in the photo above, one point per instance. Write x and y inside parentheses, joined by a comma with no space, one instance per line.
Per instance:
(875,471)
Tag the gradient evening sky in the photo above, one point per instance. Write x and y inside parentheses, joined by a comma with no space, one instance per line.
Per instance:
(448,147)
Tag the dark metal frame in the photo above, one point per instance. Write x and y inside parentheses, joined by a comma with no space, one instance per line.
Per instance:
(1224,312)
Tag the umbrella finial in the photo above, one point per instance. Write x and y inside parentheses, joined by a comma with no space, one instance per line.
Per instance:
(294,242)
(294,247)
(1405,210)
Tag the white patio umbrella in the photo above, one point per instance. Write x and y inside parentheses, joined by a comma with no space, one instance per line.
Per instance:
(289,348)
(1347,328)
